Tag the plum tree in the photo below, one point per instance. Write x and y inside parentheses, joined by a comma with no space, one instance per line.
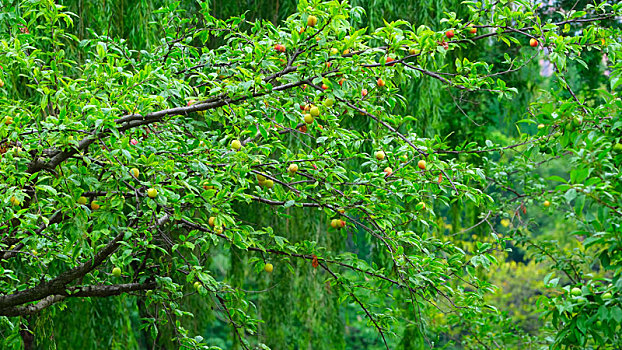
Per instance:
(394,263)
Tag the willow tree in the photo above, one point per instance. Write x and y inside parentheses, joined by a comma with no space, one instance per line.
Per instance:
(126,173)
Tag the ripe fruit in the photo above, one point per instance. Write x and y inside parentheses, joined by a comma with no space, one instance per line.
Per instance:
(449,34)
(606,296)
(1,83)
(341,81)
(547,204)
(329,102)
(133,142)
(152,192)
(364,92)
(388,171)
(197,285)
(533,42)
(279,48)
(95,205)
(575,291)
(8,120)
(269,183)
(268,268)
(334,223)
(617,147)
(218,229)
(116,272)
(308,118)
(328,64)
(380,155)
(472,30)
(421,164)
(380,82)
(208,187)
(82,200)
(292,168)
(341,224)
(324,87)
(314,111)
(134,172)
(311,21)
(346,51)
(212,221)
(413,51)
(303,128)
(236,144)
(15,201)
(389,61)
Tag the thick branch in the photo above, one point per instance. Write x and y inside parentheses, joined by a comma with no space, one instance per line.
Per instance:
(85,291)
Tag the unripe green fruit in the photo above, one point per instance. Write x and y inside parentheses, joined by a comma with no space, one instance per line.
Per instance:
(269,183)
(292,168)
(606,296)
(575,291)
(329,102)
(308,118)
(268,268)
(152,192)
(541,126)
(197,285)
(116,272)
(82,200)
(135,172)
(236,144)
(617,147)
(380,155)
(314,111)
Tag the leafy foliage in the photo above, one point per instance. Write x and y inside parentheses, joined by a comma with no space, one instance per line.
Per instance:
(319,162)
